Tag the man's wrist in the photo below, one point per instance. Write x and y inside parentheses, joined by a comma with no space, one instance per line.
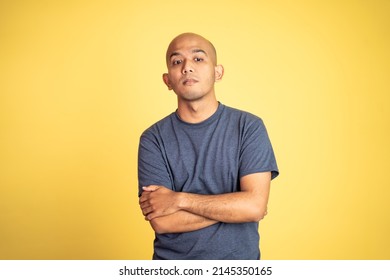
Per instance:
(183,200)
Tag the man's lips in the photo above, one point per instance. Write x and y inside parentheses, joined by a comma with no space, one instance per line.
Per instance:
(189,82)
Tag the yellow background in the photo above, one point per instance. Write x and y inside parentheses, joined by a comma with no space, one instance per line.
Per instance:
(80,80)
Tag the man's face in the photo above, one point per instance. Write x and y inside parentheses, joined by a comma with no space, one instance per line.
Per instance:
(192,69)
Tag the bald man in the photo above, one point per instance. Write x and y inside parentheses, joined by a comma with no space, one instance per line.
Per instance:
(205,170)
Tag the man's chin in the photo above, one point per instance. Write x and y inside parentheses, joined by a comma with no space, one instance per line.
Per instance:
(190,97)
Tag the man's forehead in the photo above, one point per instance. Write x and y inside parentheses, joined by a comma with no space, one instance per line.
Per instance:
(190,43)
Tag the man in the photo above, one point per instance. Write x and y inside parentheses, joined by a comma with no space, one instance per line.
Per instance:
(205,170)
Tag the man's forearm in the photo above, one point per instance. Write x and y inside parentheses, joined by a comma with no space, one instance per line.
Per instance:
(180,221)
(247,205)
(238,207)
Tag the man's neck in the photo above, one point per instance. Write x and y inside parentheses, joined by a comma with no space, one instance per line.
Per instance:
(197,111)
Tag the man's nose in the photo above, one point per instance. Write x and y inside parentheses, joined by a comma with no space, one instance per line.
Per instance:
(187,67)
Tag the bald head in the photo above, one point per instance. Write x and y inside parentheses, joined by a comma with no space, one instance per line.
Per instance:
(198,42)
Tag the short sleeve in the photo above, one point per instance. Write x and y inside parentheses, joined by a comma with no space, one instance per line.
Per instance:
(152,168)
(256,153)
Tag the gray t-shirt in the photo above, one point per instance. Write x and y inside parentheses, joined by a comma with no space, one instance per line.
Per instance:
(206,158)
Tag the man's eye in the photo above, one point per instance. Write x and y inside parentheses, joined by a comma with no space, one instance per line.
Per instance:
(176,62)
(198,59)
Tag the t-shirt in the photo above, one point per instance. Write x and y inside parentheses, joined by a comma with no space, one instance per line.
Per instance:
(206,158)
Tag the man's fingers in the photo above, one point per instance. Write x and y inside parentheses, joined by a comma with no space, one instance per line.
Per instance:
(146,211)
(150,188)
(144,197)
(154,202)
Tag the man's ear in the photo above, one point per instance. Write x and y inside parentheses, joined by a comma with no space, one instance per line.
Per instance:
(166,80)
(219,70)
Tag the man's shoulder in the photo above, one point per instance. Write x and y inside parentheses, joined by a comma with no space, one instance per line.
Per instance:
(241,114)
(159,126)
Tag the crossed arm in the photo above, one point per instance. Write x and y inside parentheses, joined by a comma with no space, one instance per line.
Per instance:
(172,212)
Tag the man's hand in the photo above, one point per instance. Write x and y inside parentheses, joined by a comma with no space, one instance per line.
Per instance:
(158,201)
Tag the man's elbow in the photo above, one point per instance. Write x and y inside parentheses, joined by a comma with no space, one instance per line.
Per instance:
(159,227)
(257,214)
(261,216)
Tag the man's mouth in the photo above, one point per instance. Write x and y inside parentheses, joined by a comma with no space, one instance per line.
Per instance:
(189,82)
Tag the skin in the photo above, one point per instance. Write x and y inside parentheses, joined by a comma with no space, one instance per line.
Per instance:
(192,73)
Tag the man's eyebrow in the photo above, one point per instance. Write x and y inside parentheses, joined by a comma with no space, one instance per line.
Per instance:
(199,51)
(193,51)
(174,54)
